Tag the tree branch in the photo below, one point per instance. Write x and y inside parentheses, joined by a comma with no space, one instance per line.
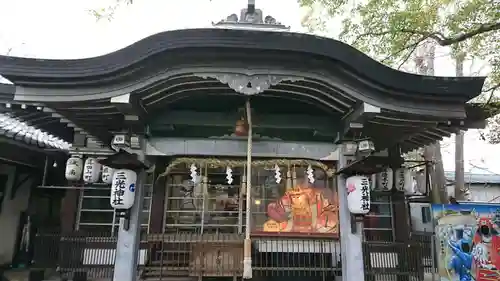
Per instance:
(412,46)
(492,93)
(488,101)
(482,28)
(407,57)
(493,88)
(490,97)
(439,37)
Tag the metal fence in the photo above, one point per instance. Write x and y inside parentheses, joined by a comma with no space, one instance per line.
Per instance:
(400,261)
(81,256)
(221,255)
(312,258)
(427,252)
(75,255)
(192,254)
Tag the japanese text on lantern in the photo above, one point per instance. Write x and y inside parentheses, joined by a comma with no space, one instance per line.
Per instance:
(365,195)
(106,175)
(384,180)
(72,163)
(73,170)
(119,186)
(89,165)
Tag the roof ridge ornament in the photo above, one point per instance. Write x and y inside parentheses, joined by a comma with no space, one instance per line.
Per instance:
(251,18)
(249,84)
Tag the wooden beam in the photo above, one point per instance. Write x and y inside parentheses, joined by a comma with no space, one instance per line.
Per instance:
(237,148)
(132,111)
(355,120)
(32,156)
(316,124)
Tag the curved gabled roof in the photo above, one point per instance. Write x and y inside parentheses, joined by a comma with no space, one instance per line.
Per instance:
(127,61)
(169,71)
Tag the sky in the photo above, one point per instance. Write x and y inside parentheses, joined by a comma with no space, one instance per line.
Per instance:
(62,29)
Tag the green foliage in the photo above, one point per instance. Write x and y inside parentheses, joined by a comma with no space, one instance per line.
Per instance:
(108,12)
(391,30)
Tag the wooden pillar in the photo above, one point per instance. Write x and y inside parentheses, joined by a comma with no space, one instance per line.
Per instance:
(408,254)
(158,198)
(128,242)
(407,257)
(69,208)
(351,243)
(400,217)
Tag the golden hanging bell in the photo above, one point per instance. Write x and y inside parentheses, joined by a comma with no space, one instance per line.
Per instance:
(241,128)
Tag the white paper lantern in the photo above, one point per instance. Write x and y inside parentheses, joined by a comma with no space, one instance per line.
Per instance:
(358,195)
(373,181)
(74,169)
(107,174)
(91,170)
(404,180)
(384,180)
(123,189)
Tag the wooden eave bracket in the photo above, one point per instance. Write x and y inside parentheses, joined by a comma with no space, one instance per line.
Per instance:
(354,121)
(372,164)
(132,111)
(124,160)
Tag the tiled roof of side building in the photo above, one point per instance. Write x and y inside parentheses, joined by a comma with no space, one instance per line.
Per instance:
(475,177)
(20,131)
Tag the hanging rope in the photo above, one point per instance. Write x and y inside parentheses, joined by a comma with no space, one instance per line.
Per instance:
(247,251)
(242,163)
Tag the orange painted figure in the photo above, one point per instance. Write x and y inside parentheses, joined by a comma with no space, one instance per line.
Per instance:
(486,251)
(303,209)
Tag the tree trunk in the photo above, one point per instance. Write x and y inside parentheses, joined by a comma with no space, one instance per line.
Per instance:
(424,61)
(459,166)
(436,171)
(459,141)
